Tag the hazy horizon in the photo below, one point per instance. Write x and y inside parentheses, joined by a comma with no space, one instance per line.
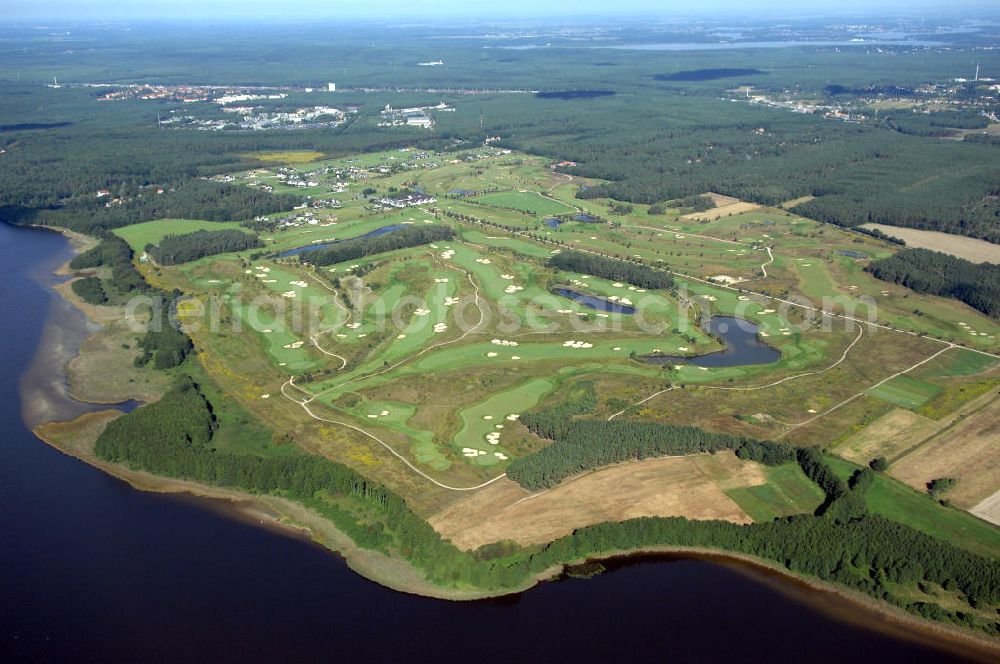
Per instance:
(102,10)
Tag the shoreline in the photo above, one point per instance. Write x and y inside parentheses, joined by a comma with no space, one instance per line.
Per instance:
(295,520)
(291,519)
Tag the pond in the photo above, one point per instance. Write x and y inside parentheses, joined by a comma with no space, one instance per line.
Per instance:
(323,245)
(743,346)
(595,302)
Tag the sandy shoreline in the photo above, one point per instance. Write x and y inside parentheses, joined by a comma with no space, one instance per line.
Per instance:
(76,437)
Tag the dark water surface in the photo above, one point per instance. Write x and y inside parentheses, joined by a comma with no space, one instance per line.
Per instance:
(323,245)
(743,347)
(92,570)
(594,302)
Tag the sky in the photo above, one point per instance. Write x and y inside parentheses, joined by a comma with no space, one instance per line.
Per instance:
(383,9)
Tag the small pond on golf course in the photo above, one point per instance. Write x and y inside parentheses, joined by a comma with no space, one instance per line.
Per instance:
(595,302)
(743,346)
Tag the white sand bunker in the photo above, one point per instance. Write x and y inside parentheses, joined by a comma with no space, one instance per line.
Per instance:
(421,312)
(767,311)
(469,452)
(515,357)
(363,334)
(383,413)
(290,293)
(513,417)
(442,280)
(500,455)
(491,354)
(267,331)
(487,417)
(449,301)
(502,342)
(618,285)
(556,251)
(565,311)
(300,284)
(682,349)
(341,336)
(440,327)
(484,261)
(493,438)
(577,344)
(294,345)
(400,336)
(617,348)
(447,255)
(269,281)
(508,277)
(353,326)
(265,396)
(510,290)
(742,298)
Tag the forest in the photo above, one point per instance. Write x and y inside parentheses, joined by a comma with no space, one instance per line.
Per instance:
(90,290)
(612,269)
(114,253)
(369,246)
(926,271)
(175,249)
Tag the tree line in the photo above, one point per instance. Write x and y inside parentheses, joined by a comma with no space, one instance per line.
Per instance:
(926,271)
(410,236)
(174,249)
(583,444)
(612,269)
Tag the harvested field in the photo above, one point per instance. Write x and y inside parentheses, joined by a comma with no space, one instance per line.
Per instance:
(989,509)
(788,205)
(968,451)
(721,211)
(889,436)
(673,486)
(971,249)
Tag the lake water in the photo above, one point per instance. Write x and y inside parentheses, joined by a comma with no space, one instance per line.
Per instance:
(323,245)
(594,302)
(743,347)
(92,570)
